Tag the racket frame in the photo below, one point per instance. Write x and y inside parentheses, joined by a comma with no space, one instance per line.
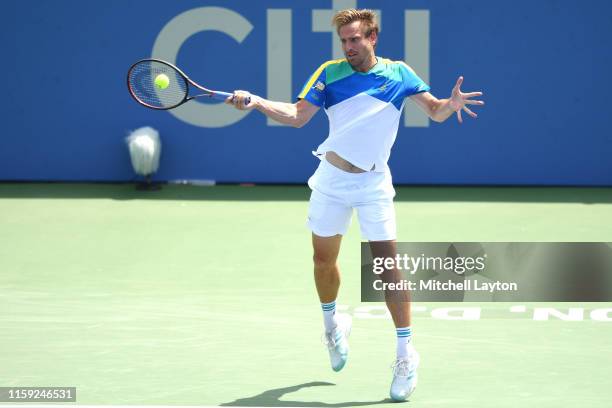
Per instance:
(207,92)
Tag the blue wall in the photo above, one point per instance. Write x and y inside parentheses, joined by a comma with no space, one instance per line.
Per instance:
(545,67)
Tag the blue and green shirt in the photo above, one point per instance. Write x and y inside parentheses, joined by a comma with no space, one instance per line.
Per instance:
(364,108)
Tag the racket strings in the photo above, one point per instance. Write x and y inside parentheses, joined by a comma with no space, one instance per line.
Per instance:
(142,85)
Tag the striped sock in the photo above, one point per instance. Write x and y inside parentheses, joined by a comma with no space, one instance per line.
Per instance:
(404,334)
(329,315)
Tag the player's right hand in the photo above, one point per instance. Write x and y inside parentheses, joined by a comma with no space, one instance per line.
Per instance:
(239,98)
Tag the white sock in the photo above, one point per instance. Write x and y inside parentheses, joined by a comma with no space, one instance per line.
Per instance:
(329,315)
(404,335)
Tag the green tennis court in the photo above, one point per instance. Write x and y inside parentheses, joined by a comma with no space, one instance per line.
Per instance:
(204,296)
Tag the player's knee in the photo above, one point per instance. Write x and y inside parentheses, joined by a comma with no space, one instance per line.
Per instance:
(323,262)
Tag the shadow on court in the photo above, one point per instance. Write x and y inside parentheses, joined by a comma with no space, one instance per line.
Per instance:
(127,191)
(271,398)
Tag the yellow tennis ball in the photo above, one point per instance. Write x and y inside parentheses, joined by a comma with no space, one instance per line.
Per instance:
(162,81)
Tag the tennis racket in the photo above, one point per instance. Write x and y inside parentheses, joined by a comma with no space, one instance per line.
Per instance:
(145,77)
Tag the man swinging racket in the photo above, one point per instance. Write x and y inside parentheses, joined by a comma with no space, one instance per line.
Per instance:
(363,95)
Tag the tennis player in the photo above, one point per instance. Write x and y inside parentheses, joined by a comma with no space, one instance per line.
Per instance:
(363,96)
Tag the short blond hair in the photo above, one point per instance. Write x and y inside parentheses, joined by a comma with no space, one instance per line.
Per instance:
(368,18)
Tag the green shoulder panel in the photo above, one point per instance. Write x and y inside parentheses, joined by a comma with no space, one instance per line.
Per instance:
(338,70)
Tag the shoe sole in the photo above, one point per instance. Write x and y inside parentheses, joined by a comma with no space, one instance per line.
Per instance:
(407,394)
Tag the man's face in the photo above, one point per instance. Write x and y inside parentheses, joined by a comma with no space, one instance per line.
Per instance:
(357,48)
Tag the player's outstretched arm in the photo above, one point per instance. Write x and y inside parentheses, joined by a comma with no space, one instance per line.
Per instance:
(292,114)
(441,109)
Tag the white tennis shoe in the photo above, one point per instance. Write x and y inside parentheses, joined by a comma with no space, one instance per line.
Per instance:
(337,341)
(404,375)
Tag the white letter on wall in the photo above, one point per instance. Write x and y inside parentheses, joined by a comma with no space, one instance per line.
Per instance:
(169,42)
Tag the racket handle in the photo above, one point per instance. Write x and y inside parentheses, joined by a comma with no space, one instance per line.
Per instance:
(225,95)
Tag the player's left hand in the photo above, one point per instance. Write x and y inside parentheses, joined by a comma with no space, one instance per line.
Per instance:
(458,100)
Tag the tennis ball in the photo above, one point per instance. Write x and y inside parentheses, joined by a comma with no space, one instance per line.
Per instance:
(162,81)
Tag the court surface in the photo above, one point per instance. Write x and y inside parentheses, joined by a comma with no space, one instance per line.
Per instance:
(204,296)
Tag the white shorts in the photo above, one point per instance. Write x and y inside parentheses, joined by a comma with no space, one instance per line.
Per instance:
(336,192)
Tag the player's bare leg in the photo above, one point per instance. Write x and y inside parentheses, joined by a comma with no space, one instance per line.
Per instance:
(398,303)
(326,271)
(327,281)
